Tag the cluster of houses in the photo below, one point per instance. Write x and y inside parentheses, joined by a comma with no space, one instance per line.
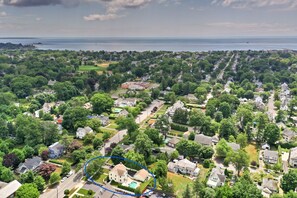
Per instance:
(55,150)
(135,85)
(284,97)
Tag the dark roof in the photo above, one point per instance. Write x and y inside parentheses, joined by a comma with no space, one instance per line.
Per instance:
(30,163)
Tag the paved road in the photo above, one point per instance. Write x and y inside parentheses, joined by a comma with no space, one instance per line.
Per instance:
(115,139)
(271,108)
(147,112)
(69,183)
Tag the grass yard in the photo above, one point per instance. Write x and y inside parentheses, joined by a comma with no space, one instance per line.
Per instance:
(86,68)
(58,170)
(105,64)
(253,153)
(176,133)
(85,192)
(143,186)
(180,183)
(203,173)
(162,110)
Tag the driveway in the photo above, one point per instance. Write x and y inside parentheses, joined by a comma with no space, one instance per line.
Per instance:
(58,192)
(285,158)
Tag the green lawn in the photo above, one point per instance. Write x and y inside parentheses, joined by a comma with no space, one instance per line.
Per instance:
(143,186)
(179,182)
(101,178)
(84,68)
(203,173)
(85,192)
(177,133)
(252,151)
(162,110)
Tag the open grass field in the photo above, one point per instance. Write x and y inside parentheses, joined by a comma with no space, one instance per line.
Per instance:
(253,153)
(180,183)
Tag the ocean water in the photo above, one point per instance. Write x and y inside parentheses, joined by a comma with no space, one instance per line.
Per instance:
(158,44)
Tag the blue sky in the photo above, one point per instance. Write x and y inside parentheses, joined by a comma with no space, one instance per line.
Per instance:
(148,18)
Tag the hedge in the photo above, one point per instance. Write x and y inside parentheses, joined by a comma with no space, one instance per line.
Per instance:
(179,127)
(56,162)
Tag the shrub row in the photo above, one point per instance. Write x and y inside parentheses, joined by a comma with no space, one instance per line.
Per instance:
(179,127)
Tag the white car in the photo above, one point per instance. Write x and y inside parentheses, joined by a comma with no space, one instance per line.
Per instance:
(63,179)
(70,173)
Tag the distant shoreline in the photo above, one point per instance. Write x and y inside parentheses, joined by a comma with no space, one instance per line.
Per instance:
(157,44)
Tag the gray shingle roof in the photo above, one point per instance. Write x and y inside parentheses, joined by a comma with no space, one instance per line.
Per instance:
(203,139)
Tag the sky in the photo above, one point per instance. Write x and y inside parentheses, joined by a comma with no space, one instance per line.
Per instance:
(148,18)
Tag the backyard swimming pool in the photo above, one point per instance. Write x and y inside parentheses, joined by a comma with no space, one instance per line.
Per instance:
(133,185)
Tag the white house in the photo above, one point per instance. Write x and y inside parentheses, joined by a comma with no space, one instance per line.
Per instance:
(82,132)
(293,157)
(216,178)
(119,173)
(125,102)
(177,105)
(184,166)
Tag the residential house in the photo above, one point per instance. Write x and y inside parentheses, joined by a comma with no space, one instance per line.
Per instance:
(293,157)
(270,157)
(123,113)
(88,106)
(191,98)
(142,175)
(288,135)
(104,119)
(56,150)
(119,173)
(216,178)
(269,186)
(234,146)
(8,190)
(51,82)
(29,164)
(177,105)
(259,103)
(173,142)
(125,102)
(82,132)
(265,146)
(203,140)
(183,166)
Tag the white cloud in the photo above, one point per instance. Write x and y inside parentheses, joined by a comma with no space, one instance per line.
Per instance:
(113,7)
(100,17)
(38,19)
(288,4)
